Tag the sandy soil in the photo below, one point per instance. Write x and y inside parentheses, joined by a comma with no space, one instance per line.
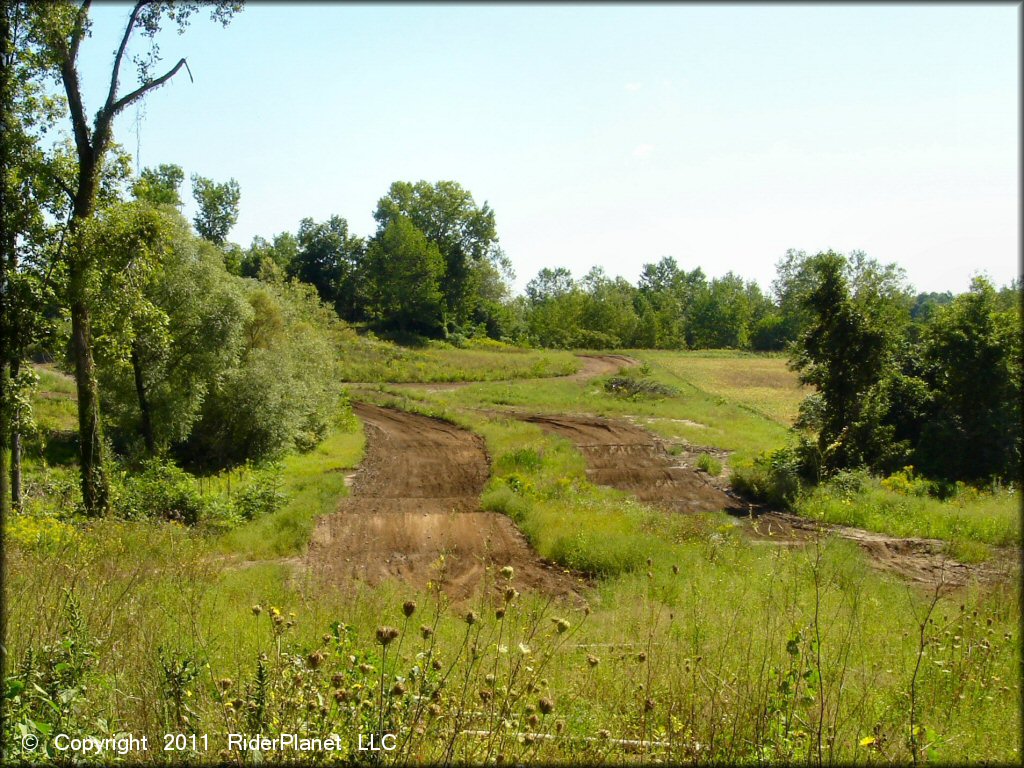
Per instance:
(415,499)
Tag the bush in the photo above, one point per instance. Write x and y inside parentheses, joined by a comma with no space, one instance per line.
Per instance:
(778,477)
(637,388)
(709,464)
(262,496)
(163,491)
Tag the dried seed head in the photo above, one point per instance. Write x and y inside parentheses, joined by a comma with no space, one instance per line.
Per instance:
(592,660)
(510,594)
(533,720)
(315,659)
(508,572)
(365,668)
(341,695)
(224,683)
(559,726)
(398,689)
(425,631)
(337,679)
(485,695)
(471,618)
(546,706)
(489,679)
(649,562)
(386,634)
(257,609)
(648,705)
(675,569)
(434,710)
(436,664)
(499,614)
(604,734)
(408,608)
(325,639)
(561,625)
(641,657)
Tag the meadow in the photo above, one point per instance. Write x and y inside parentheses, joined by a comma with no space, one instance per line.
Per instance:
(686,642)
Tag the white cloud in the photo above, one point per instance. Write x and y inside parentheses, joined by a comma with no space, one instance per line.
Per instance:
(634,87)
(643,150)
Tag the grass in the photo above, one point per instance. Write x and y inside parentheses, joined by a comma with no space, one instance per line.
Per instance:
(370,360)
(720,651)
(966,520)
(758,381)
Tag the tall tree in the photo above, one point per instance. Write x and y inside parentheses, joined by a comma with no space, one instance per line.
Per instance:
(160,185)
(449,217)
(329,258)
(58,32)
(218,208)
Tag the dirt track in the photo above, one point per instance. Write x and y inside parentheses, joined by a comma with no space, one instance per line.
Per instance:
(629,458)
(416,498)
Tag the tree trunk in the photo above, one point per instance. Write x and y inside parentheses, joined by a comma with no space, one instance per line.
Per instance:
(15,452)
(95,493)
(140,391)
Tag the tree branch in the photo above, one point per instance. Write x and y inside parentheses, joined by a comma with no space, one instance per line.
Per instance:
(145,88)
(116,72)
(79,33)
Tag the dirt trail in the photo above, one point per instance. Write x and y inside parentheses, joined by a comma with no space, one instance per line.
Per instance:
(627,457)
(416,498)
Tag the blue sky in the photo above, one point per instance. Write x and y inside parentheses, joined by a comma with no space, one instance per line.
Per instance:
(612,135)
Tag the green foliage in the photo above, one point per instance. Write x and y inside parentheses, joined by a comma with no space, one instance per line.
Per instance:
(405,274)
(778,477)
(160,185)
(328,257)
(161,491)
(638,387)
(218,208)
(709,464)
(263,495)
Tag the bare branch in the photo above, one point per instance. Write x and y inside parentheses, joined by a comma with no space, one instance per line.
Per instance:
(116,71)
(145,88)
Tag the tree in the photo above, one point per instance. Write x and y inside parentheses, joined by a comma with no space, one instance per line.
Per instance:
(405,272)
(464,233)
(160,185)
(330,259)
(972,360)
(843,351)
(218,208)
(58,32)
(281,253)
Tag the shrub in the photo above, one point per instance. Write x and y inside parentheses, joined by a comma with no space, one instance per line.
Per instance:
(262,495)
(637,388)
(709,464)
(163,491)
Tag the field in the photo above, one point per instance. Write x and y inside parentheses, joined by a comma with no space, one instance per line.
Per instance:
(546,575)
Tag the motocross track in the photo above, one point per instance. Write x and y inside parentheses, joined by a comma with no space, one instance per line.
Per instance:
(628,458)
(416,497)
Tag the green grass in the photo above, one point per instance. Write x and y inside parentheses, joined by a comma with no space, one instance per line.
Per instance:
(971,517)
(313,484)
(758,381)
(371,360)
(745,649)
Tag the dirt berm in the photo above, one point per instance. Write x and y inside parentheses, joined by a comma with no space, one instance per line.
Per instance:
(416,499)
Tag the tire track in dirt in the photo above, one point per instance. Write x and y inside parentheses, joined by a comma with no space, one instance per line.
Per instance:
(628,458)
(416,498)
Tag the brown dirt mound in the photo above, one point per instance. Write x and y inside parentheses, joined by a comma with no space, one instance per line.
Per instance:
(627,457)
(415,499)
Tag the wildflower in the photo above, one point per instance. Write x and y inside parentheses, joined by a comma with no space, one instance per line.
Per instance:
(511,594)
(471,618)
(398,689)
(408,608)
(546,706)
(425,631)
(508,572)
(257,609)
(592,660)
(386,634)
(224,683)
(561,625)
(325,639)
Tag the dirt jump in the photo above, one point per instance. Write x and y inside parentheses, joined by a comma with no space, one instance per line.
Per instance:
(626,457)
(415,505)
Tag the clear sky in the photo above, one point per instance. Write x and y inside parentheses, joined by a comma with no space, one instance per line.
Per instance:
(612,135)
